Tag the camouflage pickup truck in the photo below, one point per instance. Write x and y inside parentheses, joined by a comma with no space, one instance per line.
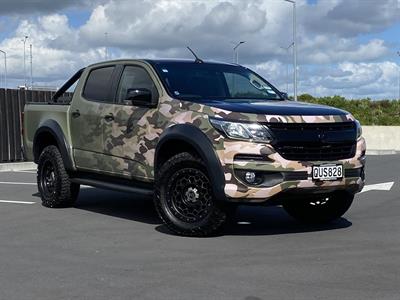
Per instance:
(199,138)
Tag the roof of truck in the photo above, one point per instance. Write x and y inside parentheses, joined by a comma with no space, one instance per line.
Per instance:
(159,61)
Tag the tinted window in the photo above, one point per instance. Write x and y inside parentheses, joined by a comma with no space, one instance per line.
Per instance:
(250,86)
(135,78)
(197,81)
(98,85)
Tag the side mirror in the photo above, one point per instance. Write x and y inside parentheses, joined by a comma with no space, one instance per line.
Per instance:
(285,95)
(139,97)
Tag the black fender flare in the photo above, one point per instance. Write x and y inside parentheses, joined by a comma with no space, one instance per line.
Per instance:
(199,141)
(53,128)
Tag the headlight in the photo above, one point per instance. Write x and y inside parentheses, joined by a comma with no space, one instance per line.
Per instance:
(359,129)
(243,131)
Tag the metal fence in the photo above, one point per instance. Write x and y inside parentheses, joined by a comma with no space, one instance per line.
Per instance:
(11,106)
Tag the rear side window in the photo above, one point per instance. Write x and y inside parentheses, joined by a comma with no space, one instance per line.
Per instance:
(98,85)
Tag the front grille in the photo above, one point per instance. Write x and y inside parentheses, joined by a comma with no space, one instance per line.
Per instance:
(314,141)
(299,127)
(317,151)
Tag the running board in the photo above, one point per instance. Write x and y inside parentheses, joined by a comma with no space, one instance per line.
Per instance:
(113,186)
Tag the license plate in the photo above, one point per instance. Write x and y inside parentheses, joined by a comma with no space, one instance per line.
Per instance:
(327,172)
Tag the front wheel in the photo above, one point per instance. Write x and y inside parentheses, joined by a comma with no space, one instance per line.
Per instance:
(184,199)
(319,208)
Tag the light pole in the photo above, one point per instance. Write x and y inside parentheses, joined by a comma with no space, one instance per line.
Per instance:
(398,53)
(287,67)
(30,54)
(236,51)
(294,48)
(24,41)
(5,68)
(106,40)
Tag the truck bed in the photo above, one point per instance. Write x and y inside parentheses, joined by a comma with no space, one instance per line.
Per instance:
(36,114)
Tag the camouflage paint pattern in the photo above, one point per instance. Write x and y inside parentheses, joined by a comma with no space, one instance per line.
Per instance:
(133,150)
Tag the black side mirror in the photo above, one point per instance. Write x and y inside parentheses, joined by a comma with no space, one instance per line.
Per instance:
(139,97)
(285,95)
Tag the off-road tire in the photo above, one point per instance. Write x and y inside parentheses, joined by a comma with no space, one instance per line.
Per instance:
(319,209)
(179,180)
(55,187)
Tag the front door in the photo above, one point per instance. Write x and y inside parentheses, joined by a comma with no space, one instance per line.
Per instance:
(127,139)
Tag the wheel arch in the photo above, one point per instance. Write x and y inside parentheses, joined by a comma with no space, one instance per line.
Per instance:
(188,138)
(50,133)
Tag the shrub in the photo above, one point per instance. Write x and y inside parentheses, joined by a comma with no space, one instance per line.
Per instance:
(367,111)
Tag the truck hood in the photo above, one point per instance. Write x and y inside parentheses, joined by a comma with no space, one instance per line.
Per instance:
(283,108)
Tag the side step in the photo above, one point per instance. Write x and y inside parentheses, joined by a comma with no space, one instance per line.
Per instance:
(145,191)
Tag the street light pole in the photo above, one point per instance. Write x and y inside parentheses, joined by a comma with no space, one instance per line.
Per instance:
(30,54)
(287,67)
(5,68)
(106,40)
(398,53)
(294,48)
(24,41)
(236,52)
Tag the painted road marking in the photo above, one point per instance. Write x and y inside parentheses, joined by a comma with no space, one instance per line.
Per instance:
(21,183)
(386,186)
(244,223)
(25,171)
(16,202)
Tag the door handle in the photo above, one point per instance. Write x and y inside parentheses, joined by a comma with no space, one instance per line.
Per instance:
(109,117)
(76,114)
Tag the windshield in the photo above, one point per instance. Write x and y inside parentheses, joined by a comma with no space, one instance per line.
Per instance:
(189,81)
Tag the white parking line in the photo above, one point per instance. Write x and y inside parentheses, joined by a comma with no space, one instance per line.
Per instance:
(21,183)
(25,171)
(385,186)
(16,202)
(244,223)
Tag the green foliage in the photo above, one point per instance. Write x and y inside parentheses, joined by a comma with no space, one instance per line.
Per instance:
(367,111)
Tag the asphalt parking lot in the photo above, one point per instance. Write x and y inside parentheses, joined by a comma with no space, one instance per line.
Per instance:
(112,246)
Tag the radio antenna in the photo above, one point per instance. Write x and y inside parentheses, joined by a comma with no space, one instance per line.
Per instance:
(198,60)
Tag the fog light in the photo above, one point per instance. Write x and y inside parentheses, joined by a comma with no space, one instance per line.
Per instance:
(250,177)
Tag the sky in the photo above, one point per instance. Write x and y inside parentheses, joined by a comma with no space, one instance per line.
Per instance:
(346,48)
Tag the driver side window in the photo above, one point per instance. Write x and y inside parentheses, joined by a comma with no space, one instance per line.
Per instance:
(134,77)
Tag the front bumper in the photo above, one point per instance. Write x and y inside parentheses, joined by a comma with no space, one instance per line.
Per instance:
(282,175)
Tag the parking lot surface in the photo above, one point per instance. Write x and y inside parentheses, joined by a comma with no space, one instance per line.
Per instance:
(113,246)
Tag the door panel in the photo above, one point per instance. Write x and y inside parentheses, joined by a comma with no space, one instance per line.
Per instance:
(86,132)
(124,143)
(86,118)
(127,139)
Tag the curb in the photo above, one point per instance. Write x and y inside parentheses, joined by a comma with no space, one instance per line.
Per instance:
(382,152)
(6,167)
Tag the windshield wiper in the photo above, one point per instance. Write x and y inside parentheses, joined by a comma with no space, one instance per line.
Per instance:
(192,96)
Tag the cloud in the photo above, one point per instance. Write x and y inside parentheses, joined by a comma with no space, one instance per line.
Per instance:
(26,7)
(332,59)
(376,80)
(50,59)
(350,18)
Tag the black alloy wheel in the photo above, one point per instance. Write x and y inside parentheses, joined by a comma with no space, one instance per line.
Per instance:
(184,197)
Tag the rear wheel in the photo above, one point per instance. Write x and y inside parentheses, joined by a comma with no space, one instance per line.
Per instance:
(56,190)
(319,208)
(184,198)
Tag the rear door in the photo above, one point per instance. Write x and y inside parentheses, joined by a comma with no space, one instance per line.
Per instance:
(87,118)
